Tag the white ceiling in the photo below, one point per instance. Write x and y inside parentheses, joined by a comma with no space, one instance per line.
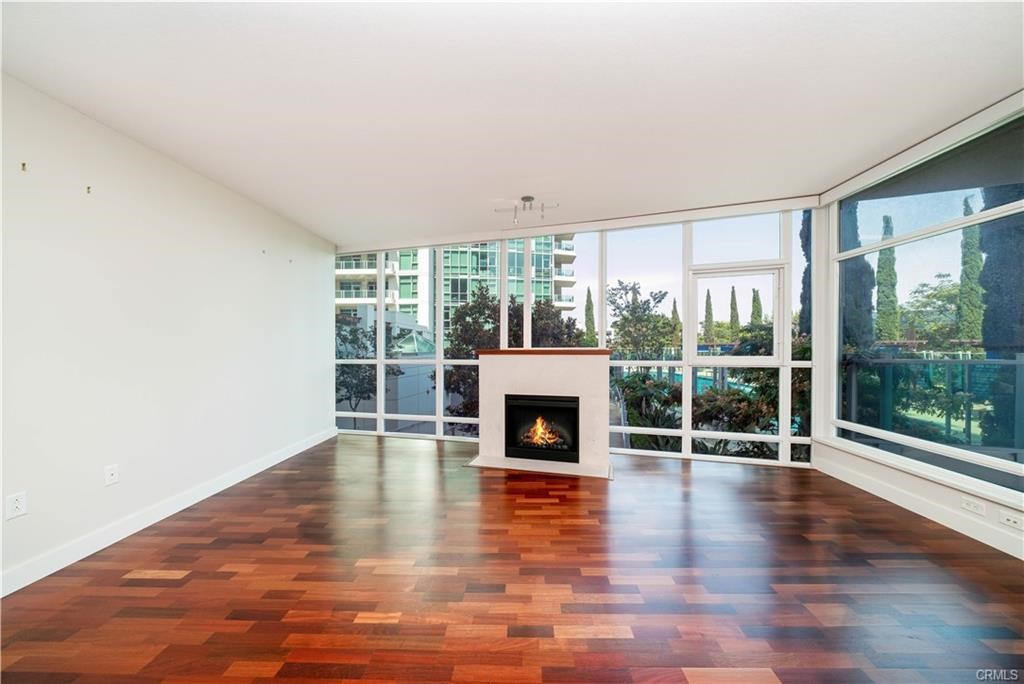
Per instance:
(404,123)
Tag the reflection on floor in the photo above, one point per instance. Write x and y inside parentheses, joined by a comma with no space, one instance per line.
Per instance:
(386,559)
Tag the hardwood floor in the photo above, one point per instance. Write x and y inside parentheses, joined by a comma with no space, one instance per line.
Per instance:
(387,560)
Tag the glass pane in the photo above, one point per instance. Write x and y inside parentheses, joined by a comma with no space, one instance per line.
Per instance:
(982,174)
(641,396)
(470,303)
(516,292)
(800,453)
(739,238)
(355,387)
(409,389)
(461,429)
(736,315)
(409,304)
(801,402)
(410,427)
(645,281)
(355,330)
(738,448)
(563,292)
(618,440)
(353,423)
(997,477)
(801,289)
(736,400)
(462,391)
(933,338)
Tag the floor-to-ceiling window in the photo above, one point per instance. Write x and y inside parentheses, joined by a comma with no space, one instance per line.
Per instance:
(704,358)
(930,268)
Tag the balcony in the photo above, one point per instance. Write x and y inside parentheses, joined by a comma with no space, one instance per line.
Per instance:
(355,266)
(564,273)
(565,246)
(356,296)
(562,301)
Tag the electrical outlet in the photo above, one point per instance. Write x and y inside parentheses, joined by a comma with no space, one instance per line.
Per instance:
(17,504)
(973,505)
(1011,519)
(110,475)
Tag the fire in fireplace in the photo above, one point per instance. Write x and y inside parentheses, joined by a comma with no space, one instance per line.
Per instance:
(542,427)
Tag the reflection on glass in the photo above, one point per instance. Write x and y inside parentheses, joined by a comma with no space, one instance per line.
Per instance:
(932,338)
(642,396)
(618,440)
(355,387)
(462,391)
(737,448)
(736,400)
(645,281)
(800,453)
(984,173)
(739,238)
(470,303)
(355,331)
(353,423)
(800,386)
(409,304)
(738,314)
(409,427)
(462,429)
(409,389)
(801,254)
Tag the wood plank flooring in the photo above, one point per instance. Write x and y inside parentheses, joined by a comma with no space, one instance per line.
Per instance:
(386,560)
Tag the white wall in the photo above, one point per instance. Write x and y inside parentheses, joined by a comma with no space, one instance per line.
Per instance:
(160,322)
(927,496)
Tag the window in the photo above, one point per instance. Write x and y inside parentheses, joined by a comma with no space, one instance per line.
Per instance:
(737,314)
(801,222)
(741,238)
(409,328)
(563,280)
(932,325)
(470,304)
(645,283)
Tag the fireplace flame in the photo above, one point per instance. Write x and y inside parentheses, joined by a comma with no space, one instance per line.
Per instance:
(541,434)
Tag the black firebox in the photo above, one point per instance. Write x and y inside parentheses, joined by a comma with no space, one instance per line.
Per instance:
(542,427)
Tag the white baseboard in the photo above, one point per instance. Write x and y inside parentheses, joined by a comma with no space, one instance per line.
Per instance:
(51,561)
(933,500)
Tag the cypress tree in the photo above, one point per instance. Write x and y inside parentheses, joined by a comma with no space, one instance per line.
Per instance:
(734,317)
(677,326)
(709,320)
(970,305)
(590,329)
(756,314)
(856,281)
(1002,324)
(887,322)
(804,324)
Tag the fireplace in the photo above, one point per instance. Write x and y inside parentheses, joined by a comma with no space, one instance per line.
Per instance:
(542,427)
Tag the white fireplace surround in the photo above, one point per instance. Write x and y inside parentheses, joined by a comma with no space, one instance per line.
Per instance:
(573,372)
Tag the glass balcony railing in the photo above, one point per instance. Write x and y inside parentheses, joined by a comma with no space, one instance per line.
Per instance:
(565,246)
(563,299)
(355,264)
(355,294)
(565,271)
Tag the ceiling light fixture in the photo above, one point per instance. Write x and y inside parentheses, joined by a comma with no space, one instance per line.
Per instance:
(526,204)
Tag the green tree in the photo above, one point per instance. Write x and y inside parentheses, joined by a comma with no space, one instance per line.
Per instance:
(857,280)
(590,329)
(639,330)
(887,320)
(734,317)
(971,307)
(677,326)
(549,329)
(756,313)
(709,319)
(1002,326)
(804,322)
(930,313)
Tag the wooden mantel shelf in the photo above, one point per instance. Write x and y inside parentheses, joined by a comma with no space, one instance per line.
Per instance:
(546,351)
